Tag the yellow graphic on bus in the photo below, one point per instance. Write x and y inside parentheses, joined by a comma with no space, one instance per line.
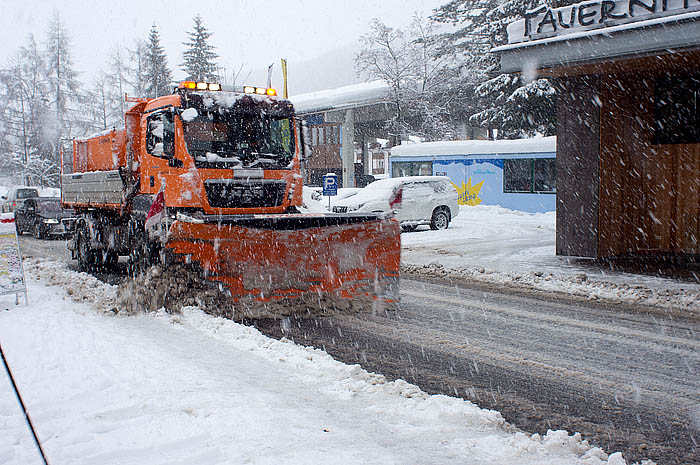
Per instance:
(468,194)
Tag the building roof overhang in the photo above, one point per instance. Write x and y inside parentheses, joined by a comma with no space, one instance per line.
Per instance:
(657,36)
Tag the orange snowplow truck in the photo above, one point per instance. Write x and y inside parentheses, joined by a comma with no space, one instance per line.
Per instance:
(211,178)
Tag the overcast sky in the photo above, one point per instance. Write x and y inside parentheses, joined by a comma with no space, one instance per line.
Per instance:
(251,33)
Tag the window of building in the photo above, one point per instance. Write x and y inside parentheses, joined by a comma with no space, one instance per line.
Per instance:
(676,110)
(314,136)
(411,168)
(545,175)
(528,175)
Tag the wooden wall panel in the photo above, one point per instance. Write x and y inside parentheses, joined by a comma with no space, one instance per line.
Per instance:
(578,126)
(648,193)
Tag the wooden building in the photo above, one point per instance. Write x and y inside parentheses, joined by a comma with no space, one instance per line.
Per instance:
(628,121)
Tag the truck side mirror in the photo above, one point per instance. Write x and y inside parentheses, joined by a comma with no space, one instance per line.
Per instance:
(303,129)
(168,134)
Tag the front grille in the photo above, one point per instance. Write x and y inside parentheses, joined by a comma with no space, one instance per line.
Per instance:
(245,193)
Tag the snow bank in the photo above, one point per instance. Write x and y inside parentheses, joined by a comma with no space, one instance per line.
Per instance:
(515,249)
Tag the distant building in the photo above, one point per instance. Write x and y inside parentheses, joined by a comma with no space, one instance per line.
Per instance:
(343,123)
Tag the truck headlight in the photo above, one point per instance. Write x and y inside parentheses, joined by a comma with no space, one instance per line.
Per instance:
(51,221)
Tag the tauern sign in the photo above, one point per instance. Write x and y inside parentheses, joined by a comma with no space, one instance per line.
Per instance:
(544,21)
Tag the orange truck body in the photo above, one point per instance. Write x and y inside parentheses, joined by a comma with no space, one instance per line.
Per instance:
(212,179)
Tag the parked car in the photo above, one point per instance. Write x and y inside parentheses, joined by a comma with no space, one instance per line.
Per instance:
(44,217)
(15,195)
(416,200)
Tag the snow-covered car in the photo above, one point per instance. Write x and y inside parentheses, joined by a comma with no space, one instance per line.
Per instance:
(415,200)
(15,195)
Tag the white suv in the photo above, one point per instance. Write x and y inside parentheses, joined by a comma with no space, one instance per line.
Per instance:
(415,200)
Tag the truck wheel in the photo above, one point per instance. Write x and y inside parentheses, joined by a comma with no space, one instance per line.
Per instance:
(86,256)
(440,220)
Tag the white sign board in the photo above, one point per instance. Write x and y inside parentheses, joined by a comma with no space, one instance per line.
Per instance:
(11,271)
(543,21)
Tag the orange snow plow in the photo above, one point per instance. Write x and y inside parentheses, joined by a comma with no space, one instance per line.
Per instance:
(290,257)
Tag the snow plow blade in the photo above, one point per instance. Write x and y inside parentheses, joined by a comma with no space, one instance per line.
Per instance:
(341,261)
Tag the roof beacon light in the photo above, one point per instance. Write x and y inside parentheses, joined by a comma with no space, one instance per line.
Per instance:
(213,86)
(271,92)
(188,85)
(202,86)
(260,90)
(249,90)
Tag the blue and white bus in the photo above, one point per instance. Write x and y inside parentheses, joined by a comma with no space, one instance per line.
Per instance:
(517,174)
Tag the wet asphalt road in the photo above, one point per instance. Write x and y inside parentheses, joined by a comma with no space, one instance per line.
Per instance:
(626,377)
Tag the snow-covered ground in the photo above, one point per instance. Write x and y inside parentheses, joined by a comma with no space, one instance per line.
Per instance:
(511,248)
(105,388)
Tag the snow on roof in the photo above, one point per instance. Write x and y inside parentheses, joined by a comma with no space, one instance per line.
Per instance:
(476,147)
(342,97)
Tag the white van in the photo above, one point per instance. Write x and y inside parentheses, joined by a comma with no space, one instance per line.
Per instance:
(416,200)
(9,200)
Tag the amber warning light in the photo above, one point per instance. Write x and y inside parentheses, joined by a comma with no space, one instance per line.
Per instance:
(259,91)
(192,85)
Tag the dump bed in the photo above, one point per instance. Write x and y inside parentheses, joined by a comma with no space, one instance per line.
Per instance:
(102,152)
(96,180)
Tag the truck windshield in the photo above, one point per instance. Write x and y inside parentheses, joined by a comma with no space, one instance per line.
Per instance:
(224,139)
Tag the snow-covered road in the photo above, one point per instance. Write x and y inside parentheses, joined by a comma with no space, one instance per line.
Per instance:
(191,388)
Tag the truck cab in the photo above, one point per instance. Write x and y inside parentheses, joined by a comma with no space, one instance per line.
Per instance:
(215,152)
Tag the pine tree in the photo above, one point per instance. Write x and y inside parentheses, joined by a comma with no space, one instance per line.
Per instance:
(200,64)
(63,80)
(513,105)
(158,75)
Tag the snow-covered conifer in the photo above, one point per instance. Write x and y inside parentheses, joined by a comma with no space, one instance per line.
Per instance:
(158,75)
(200,58)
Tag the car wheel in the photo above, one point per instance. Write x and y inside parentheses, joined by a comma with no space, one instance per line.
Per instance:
(38,233)
(440,220)
(408,227)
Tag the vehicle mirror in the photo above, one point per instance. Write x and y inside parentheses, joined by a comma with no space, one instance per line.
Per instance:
(303,129)
(160,134)
(168,134)
(4,197)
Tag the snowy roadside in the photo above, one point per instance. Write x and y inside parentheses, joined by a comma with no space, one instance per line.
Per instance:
(512,249)
(192,388)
